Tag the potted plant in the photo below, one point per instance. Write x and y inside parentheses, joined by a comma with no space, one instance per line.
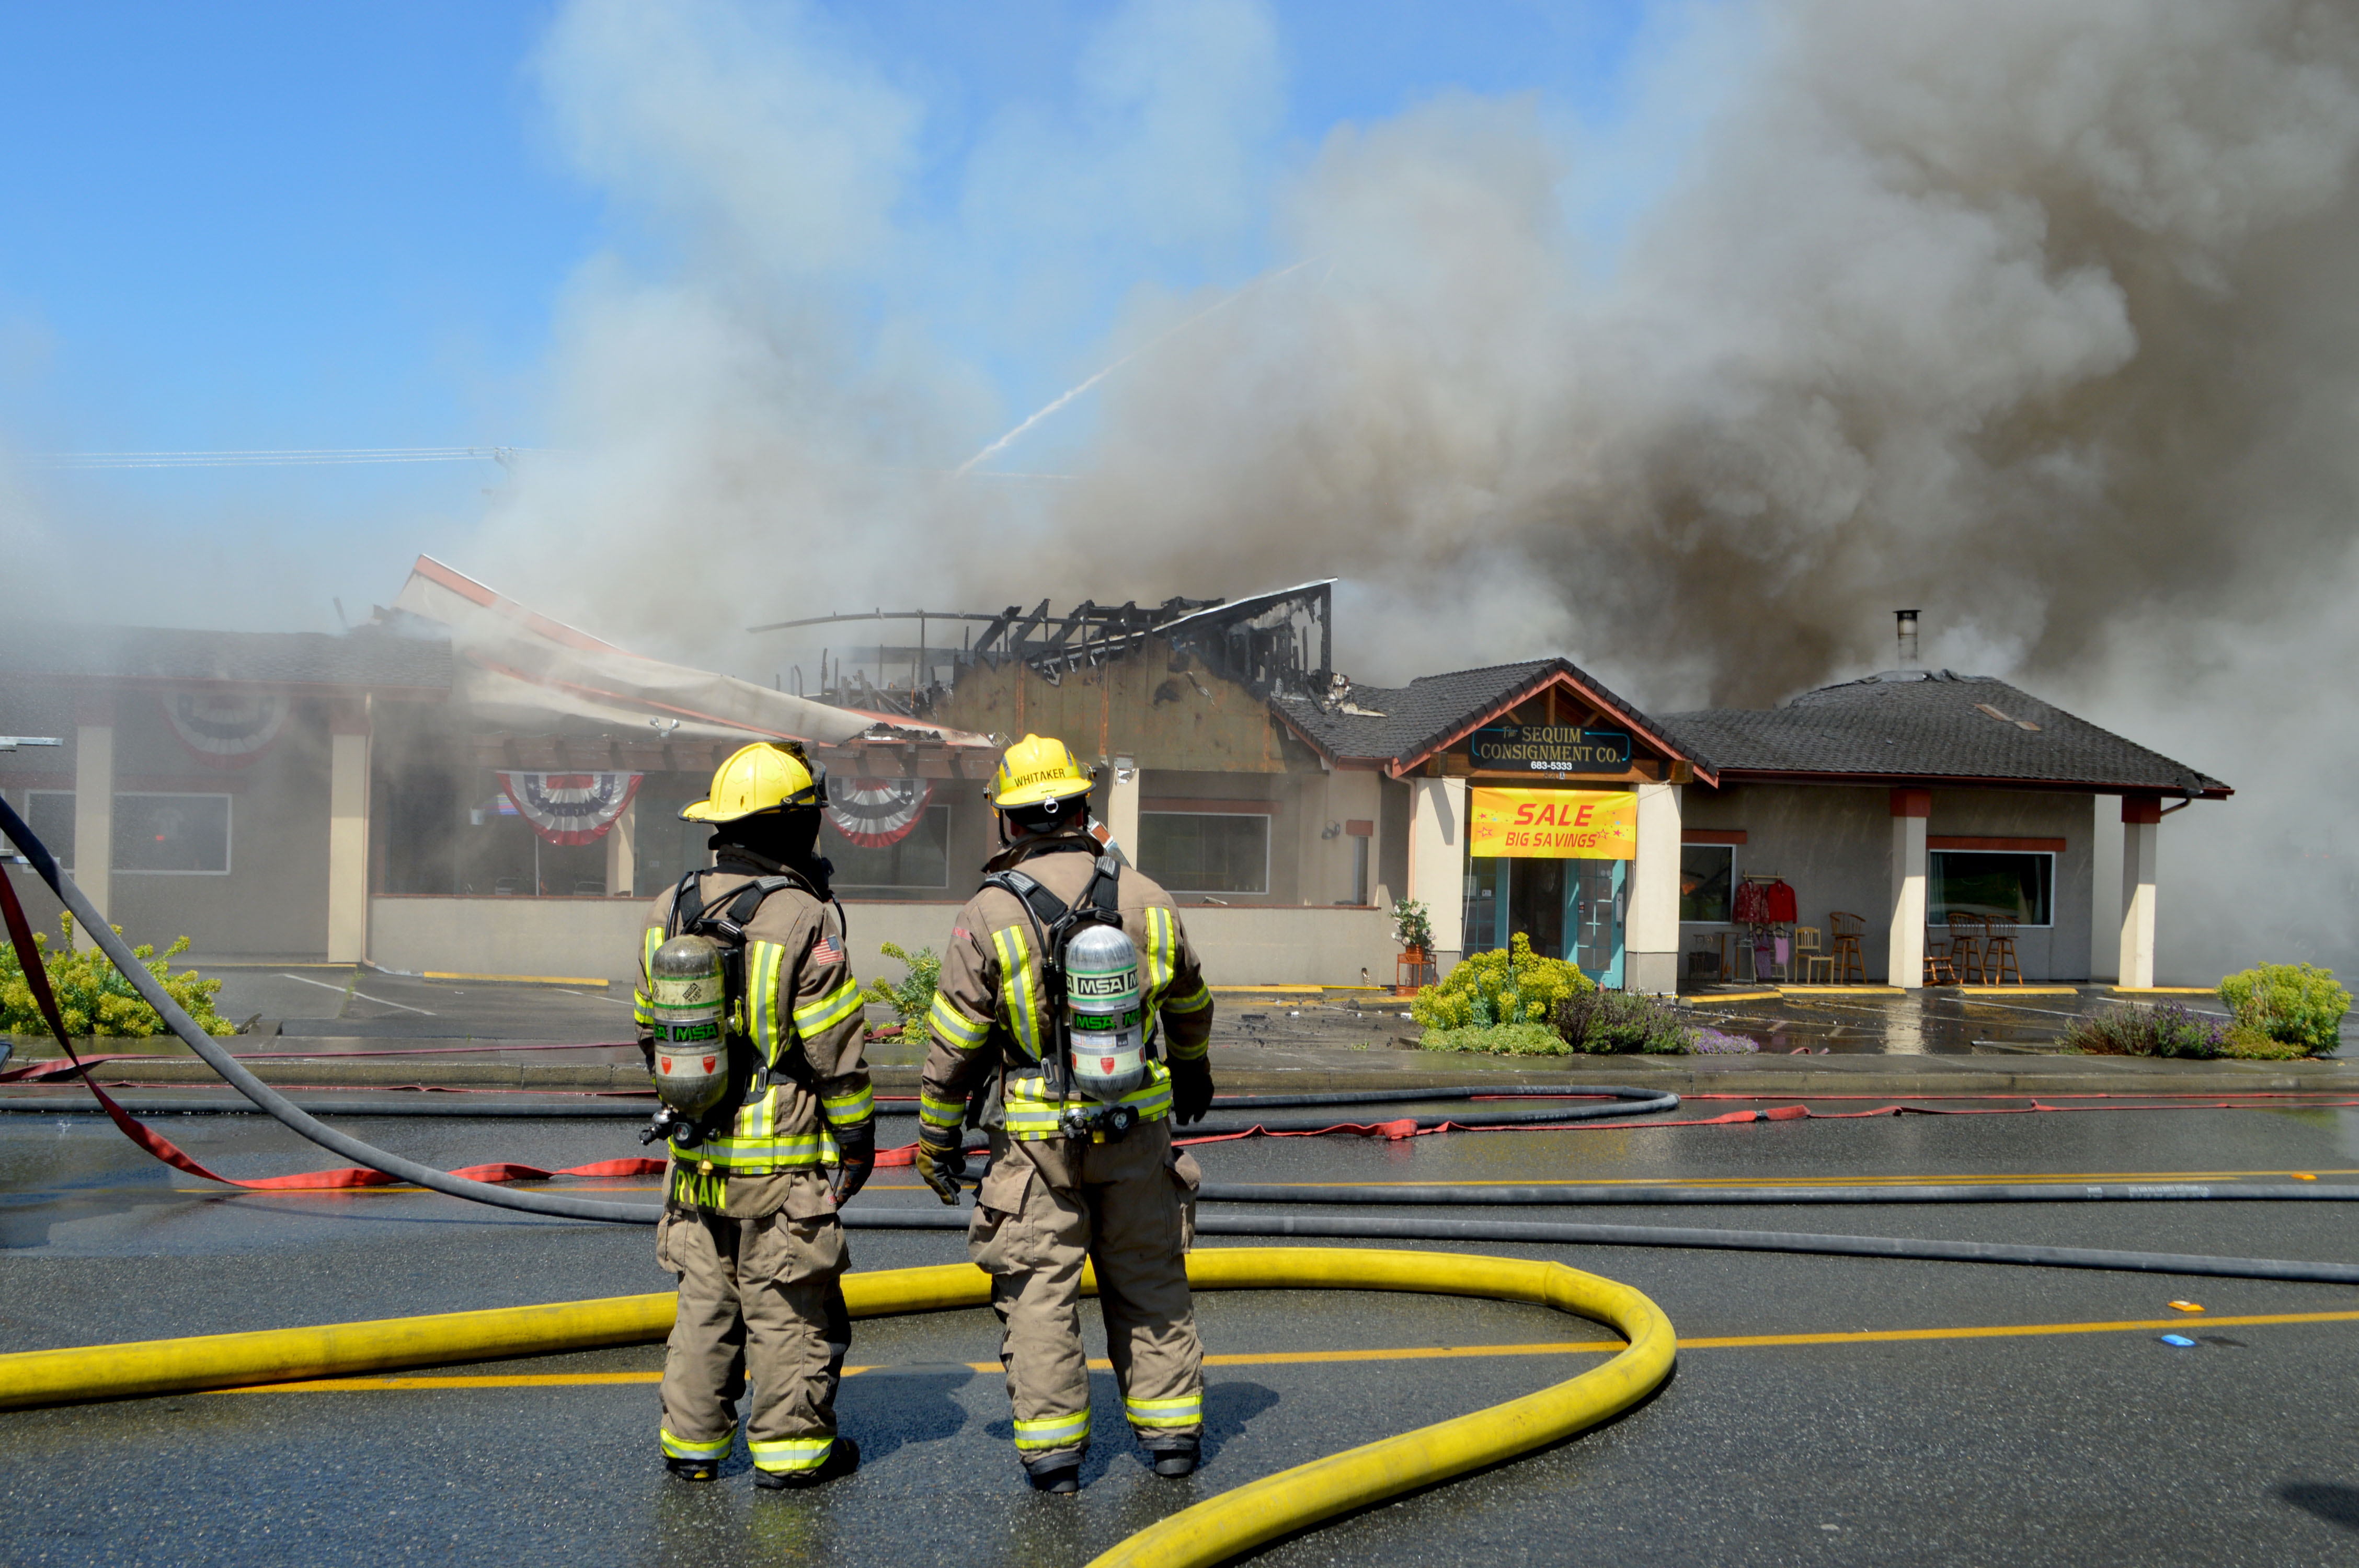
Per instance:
(1413,929)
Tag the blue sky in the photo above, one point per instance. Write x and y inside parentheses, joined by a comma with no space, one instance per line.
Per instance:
(269,226)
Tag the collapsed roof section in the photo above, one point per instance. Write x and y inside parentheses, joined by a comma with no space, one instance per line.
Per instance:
(1275,643)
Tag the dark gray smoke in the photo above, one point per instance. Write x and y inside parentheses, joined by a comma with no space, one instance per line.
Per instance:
(2034,313)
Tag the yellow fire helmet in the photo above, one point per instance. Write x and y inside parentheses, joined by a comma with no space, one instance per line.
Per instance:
(763,776)
(1035,769)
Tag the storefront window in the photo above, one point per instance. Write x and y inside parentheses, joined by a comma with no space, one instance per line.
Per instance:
(50,813)
(2015,885)
(1205,851)
(1707,875)
(919,858)
(172,833)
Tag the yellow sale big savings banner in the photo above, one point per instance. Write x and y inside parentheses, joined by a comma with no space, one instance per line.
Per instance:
(1554,824)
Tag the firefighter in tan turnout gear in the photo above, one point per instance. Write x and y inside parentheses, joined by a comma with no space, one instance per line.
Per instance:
(752,1023)
(1057,976)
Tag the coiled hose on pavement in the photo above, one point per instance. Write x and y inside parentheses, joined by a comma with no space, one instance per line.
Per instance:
(1334,1227)
(175,1018)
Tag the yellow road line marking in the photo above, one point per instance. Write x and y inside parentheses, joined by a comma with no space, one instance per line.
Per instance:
(1414,1353)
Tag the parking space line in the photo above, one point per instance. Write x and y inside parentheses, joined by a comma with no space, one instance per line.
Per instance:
(362,996)
(1412,1353)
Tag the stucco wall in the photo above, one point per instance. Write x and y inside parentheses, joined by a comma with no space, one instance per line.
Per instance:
(598,938)
(1834,845)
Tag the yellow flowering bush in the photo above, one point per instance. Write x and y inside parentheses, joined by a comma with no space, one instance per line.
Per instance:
(94,999)
(1513,986)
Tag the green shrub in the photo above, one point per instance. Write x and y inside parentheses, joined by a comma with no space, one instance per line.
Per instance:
(2294,1004)
(1601,1021)
(913,993)
(92,996)
(1517,986)
(2254,1046)
(2135,1031)
(1499,1039)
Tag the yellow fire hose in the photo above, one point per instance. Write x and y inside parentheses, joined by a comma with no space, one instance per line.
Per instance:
(1210,1532)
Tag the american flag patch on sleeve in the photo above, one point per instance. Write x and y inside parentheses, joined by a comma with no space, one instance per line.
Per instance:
(827,951)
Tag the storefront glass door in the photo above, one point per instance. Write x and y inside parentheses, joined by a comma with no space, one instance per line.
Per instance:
(1567,909)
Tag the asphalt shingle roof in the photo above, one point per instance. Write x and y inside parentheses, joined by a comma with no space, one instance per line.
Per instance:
(1401,722)
(163,656)
(1928,725)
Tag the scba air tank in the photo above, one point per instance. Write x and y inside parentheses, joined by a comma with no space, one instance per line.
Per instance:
(689,997)
(1104,1010)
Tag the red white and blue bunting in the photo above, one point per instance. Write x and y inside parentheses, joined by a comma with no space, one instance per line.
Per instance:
(877,813)
(570,808)
(226,729)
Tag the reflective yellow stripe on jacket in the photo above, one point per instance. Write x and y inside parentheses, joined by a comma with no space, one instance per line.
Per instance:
(1019,988)
(763,1027)
(1032,1116)
(818,1017)
(846,1110)
(643,1010)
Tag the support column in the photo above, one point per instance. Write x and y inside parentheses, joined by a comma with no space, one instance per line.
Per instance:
(348,806)
(1651,944)
(93,855)
(2141,824)
(1910,809)
(1437,862)
(621,852)
(1122,805)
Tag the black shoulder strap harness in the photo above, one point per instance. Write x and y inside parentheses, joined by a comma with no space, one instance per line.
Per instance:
(723,919)
(1053,920)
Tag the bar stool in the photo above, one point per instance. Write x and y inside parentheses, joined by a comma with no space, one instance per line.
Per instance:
(1998,951)
(1966,948)
(1847,963)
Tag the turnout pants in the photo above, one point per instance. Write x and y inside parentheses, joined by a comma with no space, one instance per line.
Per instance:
(760,1300)
(1128,1207)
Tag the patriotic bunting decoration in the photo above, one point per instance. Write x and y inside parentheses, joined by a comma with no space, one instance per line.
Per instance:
(877,813)
(226,729)
(570,808)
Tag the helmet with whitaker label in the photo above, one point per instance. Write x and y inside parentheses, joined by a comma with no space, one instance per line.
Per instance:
(1036,769)
(765,776)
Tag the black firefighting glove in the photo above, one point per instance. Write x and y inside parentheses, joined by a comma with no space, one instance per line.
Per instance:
(858,1144)
(1192,1089)
(940,1160)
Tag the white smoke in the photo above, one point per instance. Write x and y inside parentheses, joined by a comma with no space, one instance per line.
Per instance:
(2030,314)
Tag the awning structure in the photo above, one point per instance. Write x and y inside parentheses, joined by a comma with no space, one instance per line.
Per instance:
(519,671)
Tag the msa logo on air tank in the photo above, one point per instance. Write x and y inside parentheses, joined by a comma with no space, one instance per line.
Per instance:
(1102,1004)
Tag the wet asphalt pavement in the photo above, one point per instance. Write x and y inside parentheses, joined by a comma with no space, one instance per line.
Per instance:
(2097,1446)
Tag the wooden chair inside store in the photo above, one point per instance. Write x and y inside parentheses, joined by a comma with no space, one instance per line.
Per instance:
(1848,964)
(1966,947)
(1940,968)
(1998,951)
(1810,961)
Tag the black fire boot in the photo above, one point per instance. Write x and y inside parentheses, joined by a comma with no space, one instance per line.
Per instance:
(694,1469)
(1174,1462)
(843,1459)
(1057,1482)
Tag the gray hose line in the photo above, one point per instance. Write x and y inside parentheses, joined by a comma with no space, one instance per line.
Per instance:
(270,1099)
(1692,1197)
(1359,1228)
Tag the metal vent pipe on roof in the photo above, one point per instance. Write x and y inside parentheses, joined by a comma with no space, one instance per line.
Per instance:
(1907,620)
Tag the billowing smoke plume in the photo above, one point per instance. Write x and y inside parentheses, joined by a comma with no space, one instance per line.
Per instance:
(2033,314)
